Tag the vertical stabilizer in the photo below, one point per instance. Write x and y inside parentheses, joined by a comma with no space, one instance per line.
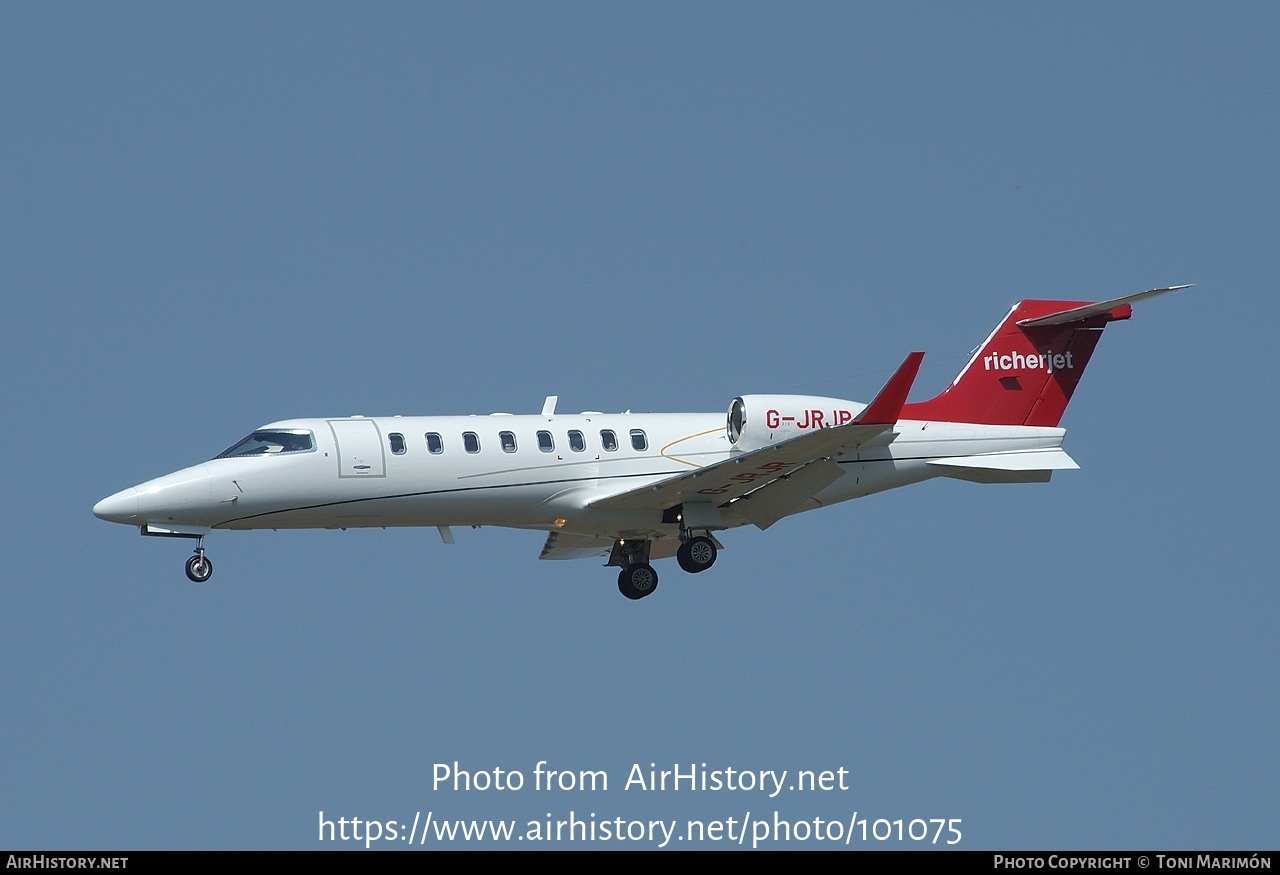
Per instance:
(1025,372)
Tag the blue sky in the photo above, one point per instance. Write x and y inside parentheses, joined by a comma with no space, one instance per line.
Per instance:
(216,217)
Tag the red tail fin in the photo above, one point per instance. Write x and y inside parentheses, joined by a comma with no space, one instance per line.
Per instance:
(1026,371)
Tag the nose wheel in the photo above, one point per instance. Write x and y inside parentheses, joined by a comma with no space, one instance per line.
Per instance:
(199,567)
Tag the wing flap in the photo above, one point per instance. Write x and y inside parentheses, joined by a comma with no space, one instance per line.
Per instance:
(567,545)
(783,496)
(571,545)
(743,473)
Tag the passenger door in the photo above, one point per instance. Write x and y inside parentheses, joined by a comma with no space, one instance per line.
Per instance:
(359,448)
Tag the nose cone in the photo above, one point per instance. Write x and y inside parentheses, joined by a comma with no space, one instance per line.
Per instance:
(181,497)
(119,508)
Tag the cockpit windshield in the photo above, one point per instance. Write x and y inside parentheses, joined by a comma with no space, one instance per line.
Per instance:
(261,443)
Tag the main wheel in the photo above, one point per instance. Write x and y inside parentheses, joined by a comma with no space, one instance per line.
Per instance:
(696,554)
(199,568)
(637,581)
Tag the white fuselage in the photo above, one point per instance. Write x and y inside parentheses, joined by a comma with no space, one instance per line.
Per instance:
(359,473)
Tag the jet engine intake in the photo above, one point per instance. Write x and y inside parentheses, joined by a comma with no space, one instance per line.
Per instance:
(756,421)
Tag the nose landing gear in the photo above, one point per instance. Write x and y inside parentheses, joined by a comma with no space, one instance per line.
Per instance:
(199,566)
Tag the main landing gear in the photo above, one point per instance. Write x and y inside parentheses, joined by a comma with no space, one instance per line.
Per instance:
(697,554)
(199,566)
(637,581)
(637,578)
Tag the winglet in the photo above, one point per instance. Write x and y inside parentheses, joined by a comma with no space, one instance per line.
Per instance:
(886,407)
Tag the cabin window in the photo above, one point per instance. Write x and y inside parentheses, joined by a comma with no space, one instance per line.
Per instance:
(577,442)
(546,442)
(261,443)
(470,442)
(608,440)
(435,444)
(397,443)
(638,440)
(508,441)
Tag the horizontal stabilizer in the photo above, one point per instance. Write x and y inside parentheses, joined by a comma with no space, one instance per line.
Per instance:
(1028,466)
(1079,314)
(1026,460)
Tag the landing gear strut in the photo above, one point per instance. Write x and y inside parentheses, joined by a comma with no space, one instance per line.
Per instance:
(199,566)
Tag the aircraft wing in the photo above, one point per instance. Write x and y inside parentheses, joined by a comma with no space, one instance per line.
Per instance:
(787,473)
(567,545)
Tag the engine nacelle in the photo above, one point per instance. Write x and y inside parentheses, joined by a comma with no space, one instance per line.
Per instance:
(756,421)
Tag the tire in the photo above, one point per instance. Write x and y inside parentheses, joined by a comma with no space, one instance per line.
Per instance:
(697,554)
(199,568)
(637,581)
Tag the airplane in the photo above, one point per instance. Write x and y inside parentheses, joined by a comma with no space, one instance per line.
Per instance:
(636,488)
